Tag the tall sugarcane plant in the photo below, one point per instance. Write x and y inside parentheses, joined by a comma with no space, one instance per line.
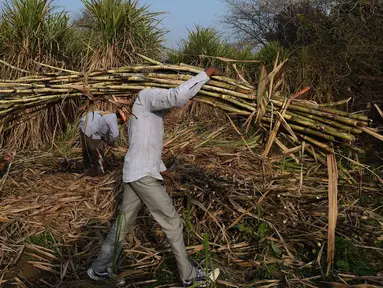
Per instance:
(205,46)
(32,31)
(35,32)
(116,28)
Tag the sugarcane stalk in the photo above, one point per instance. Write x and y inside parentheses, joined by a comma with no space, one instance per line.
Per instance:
(307,130)
(362,118)
(307,109)
(66,78)
(316,143)
(319,126)
(186,77)
(227,98)
(334,111)
(339,118)
(232,87)
(299,119)
(10,85)
(312,132)
(30,115)
(338,103)
(329,122)
(175,83)
(205,87)
(34,91)
(41,98)
(147,68)
(218,104)
(308,139)
(177,68)
(63,88)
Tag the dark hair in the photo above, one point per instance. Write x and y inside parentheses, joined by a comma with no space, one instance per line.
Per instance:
(118,115)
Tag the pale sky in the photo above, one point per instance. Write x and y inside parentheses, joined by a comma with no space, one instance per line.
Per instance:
(182,14)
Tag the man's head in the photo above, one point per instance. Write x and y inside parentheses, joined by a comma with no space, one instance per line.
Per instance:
(121,117)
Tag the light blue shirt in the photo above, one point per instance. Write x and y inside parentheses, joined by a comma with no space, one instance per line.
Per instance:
(100,126)
(146,127)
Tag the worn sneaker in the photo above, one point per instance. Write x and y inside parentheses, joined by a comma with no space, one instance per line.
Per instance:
(202,278)
(105,276)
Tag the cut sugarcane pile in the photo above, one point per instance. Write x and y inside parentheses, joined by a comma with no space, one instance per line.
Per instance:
(320,126)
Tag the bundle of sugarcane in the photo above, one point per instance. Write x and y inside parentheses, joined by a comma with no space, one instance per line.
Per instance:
(320,126)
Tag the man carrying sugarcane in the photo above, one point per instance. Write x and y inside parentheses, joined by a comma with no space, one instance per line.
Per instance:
(96,130)
(142,176)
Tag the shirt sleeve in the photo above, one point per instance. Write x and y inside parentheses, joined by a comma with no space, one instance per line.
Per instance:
(162,99)
(162,167)
(112,122)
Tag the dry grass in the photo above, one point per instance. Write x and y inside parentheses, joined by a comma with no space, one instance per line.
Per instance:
(332,169)
(266,221)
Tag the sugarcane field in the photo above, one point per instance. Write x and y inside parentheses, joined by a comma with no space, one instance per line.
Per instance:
(216,143)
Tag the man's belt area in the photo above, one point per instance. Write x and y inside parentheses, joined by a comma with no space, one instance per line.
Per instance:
(95,137)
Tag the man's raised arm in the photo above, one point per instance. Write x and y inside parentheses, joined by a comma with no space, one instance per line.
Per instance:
(163,99)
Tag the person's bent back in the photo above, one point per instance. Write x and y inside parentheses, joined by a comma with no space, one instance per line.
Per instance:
(97,129)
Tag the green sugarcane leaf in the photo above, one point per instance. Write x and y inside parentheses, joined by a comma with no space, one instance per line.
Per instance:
(276,249)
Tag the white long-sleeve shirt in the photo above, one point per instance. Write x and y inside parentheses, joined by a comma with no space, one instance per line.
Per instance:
(146,132)
(100,126)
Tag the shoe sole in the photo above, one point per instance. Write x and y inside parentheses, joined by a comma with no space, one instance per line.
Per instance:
(119,283)
(212,277)
(94,277)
